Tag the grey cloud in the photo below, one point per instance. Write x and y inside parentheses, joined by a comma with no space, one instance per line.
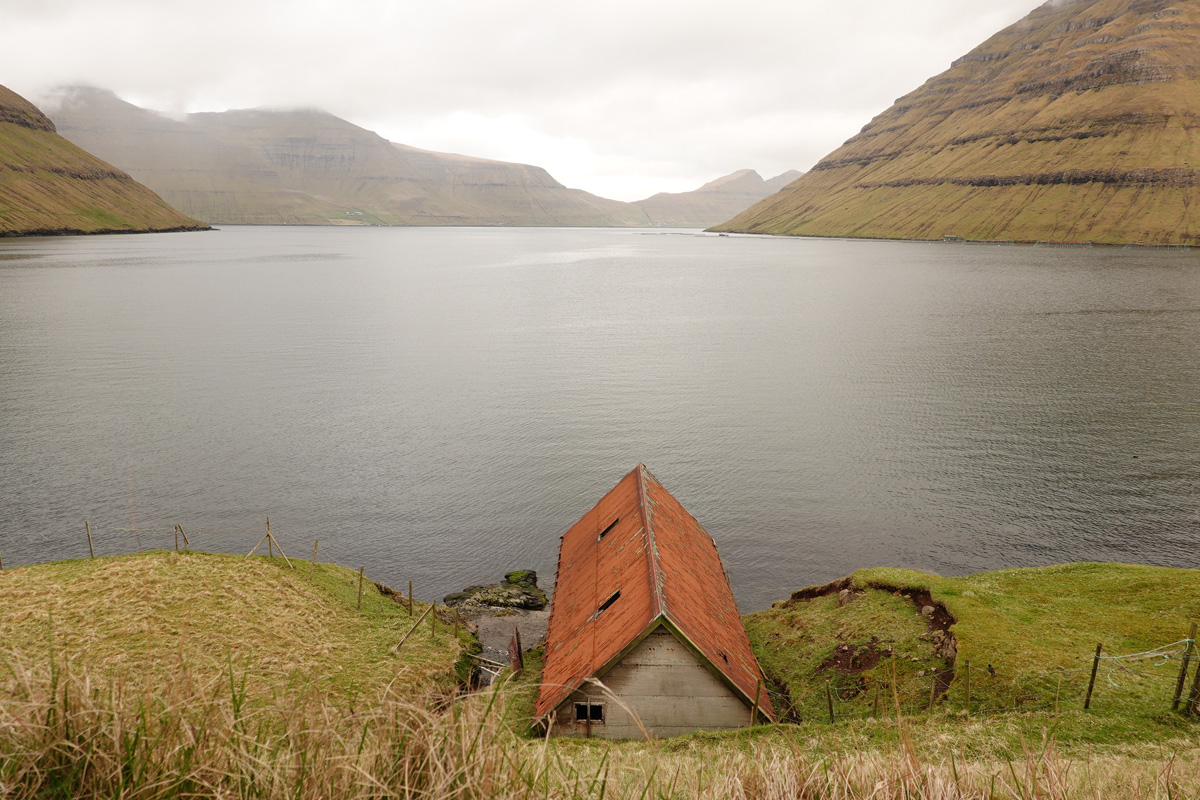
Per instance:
(674,92)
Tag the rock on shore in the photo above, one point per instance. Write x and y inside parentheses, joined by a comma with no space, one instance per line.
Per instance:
(519,589)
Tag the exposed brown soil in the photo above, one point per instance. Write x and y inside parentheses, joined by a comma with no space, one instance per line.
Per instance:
(853,659)
(850,658)
(938,623)
(813,592)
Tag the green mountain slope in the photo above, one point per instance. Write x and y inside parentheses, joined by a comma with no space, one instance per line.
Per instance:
(1081,122)
(308,167)
(714,201)
(48,185)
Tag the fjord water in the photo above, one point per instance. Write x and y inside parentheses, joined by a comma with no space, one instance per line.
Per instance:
(439,405)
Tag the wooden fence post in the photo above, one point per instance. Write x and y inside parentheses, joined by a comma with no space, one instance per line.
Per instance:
(186,544)
(176,538)
(416,625)
(260,541)
(88,528)
(270,540)
(1092,682)
(1194,694)
(410,606)
(1,563)
(360,572)
(754,708)
(1187,656)
(313,566)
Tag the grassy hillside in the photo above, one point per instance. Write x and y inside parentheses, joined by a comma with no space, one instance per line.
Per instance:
(1078,123)
(146,619)
(48,185)
(1025,637)
(141,700)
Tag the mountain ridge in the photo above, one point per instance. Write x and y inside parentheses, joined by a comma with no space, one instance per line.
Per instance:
(1077,123)
(306,166)
(50,186)
(717,199)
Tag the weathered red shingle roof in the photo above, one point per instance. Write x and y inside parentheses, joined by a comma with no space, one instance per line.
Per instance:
(665,565)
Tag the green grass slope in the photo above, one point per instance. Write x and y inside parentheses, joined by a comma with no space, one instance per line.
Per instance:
(123,677)
(48,185)
(1078,123)
(1017,641)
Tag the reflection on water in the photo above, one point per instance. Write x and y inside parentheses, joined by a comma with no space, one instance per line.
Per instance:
(440,405)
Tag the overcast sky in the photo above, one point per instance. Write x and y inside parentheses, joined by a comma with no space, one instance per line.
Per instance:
(621,98)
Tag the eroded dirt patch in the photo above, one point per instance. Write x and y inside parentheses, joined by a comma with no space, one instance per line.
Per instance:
(938,621)
(851,659)
(854,659)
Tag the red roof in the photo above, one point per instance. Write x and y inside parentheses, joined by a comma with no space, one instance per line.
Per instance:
(641,543)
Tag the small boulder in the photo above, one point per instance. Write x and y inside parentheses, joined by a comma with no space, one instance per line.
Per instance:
(928,611)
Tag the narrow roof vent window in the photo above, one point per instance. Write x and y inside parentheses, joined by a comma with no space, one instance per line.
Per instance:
(611,525)
(609,601)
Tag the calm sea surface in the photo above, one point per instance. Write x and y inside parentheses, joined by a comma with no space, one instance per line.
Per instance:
(439,405)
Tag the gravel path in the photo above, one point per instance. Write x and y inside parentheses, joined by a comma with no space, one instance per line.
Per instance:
(495,629)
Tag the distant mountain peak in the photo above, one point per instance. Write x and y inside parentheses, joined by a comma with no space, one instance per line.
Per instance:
(743,177)
(717,199)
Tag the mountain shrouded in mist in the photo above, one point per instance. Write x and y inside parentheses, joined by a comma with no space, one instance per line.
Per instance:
(266,167)
(309,167)
(1079,123)
(50,186)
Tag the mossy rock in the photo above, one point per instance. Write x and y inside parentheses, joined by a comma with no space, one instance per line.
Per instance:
(519,589)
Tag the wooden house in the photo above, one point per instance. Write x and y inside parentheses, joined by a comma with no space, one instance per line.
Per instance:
(644,636)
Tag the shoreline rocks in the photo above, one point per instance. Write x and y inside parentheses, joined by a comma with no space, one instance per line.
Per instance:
(519,589)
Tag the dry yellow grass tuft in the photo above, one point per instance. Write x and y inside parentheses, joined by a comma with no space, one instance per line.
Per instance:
(65,737)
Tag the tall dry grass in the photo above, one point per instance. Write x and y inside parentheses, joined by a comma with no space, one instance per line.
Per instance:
(64,736)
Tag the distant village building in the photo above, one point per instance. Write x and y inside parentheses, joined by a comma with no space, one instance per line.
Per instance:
(644,635)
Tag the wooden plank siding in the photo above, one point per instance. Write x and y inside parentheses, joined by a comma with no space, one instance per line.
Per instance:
(666,685)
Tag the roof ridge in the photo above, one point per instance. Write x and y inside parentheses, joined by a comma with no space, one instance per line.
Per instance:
(659,606)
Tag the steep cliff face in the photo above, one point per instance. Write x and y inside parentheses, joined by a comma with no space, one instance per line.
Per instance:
(1081,122)
(48,185)
(714,201)
(308,167)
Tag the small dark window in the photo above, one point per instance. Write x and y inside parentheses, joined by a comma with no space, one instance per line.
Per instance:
(589,712)
(616,595)
(611,525)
